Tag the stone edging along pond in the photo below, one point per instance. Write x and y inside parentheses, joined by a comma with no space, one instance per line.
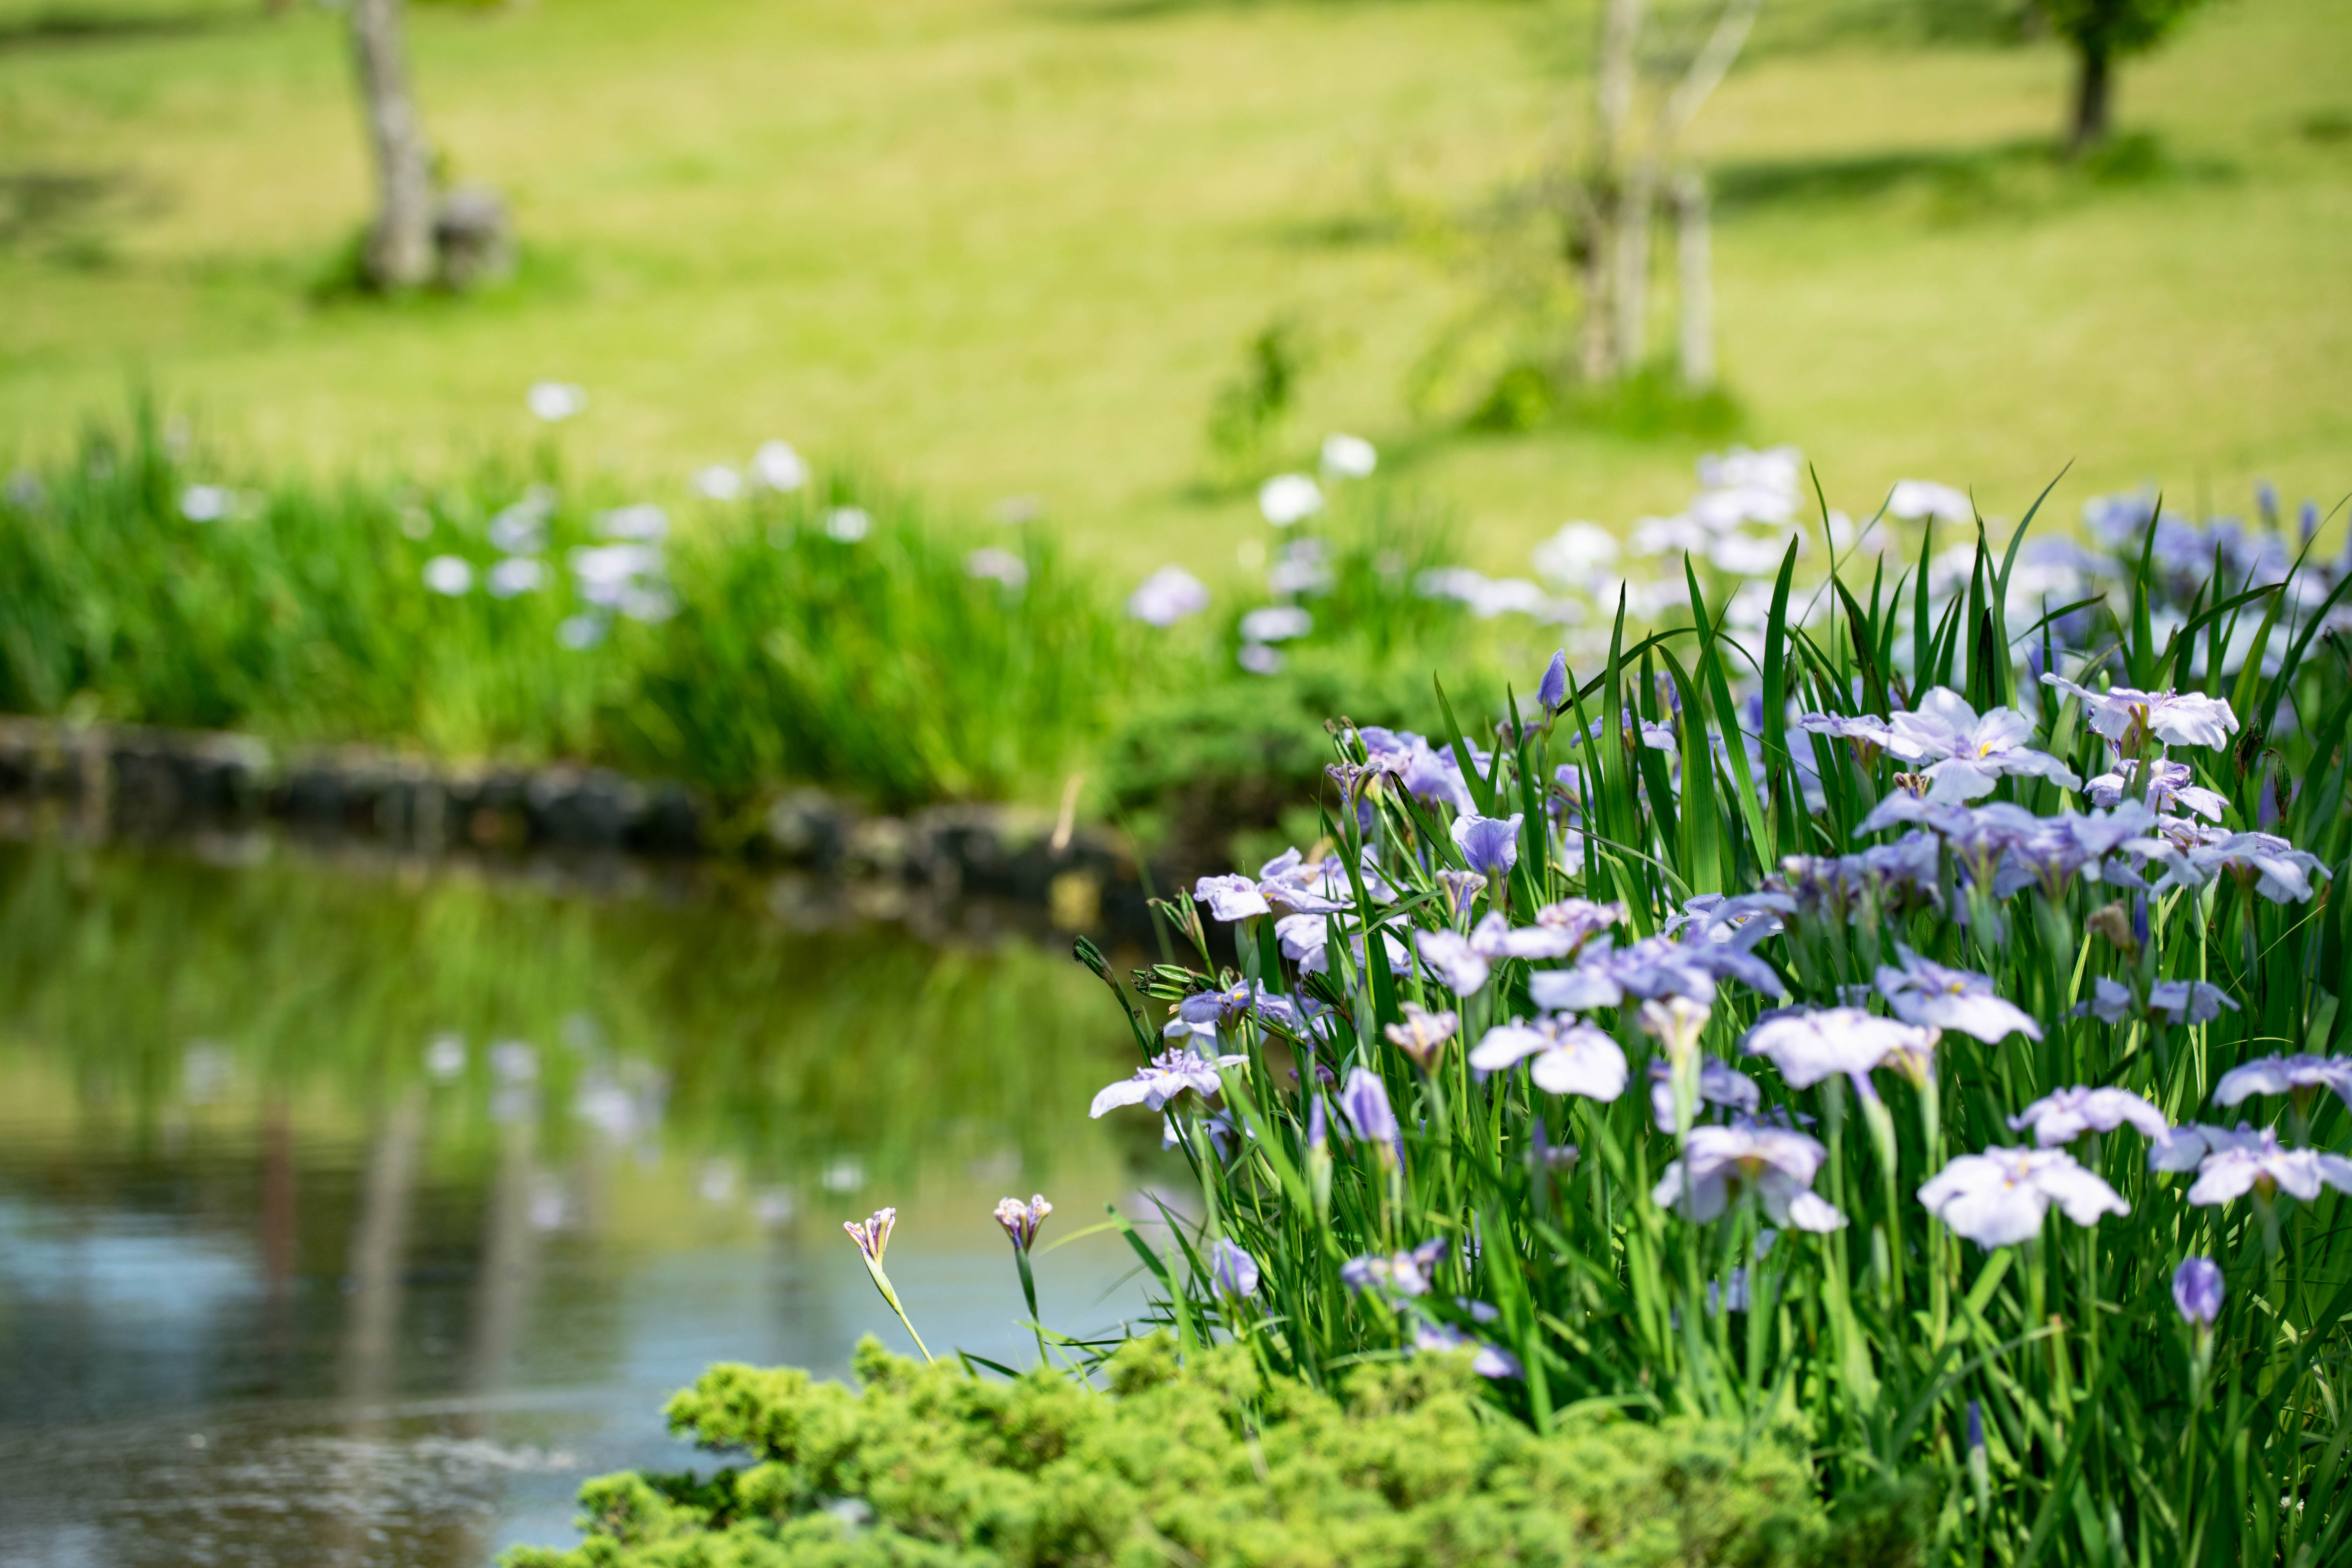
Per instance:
(110,780)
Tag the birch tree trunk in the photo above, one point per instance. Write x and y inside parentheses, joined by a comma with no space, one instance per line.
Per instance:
(1693,255)
(1603,194)
(399,245)
(1631,291)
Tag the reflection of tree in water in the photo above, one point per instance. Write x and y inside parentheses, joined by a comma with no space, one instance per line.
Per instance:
(708,1026)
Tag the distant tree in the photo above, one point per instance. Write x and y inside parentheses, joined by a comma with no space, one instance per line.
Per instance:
(2103,32)
(400,251)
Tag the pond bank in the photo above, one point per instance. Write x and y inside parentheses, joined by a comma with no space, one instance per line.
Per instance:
(121,780)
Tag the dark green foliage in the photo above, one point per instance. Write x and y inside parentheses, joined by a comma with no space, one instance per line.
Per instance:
(1205,1463)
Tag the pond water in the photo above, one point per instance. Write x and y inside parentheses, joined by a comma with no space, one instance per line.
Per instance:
(354,1214)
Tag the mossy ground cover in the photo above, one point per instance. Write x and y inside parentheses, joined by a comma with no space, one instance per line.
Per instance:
(1208,1463)
(996,246)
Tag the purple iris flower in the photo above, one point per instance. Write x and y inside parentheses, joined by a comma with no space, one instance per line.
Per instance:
(1289,882)
(1578,920)
(1433,776)
(1807,1047)
(2171,1001)
(1021,1221)
(1398,1276)
(1895,877)
(1718,1084)
(1488,1361)
(1956,1000)
(1722,1163)
(1165,1077)
(1364,1102)
(2065,1115)
(1489,844)
(2174,783)
(2298,1076)
(1236,1271)
(2179,718)
(2002,1196)
(1552,693)
(2196,1291)
(1230,898)
(1570,1058)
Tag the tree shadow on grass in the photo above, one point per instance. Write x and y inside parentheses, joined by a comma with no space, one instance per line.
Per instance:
(64,25)
(1961,184)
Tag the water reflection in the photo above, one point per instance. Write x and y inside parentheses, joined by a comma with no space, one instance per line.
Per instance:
(349,1221)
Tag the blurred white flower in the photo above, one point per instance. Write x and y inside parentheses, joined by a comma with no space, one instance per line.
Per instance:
(451,574)
(607,571)
(1259,659)
(205,503)
(719,482)
(847,524)
(1572,556)
(515,1061)
(556,400)
(1913,498)
(1286,499)
(1348,456)
(643,520)
(580,631)
(1014,510)
(1300,569)
(776,466)
(516,574)
(1002,566)
(1746,555)
(521,529)
(1678,535)
(1276,622)
(1167,596)
(648,602)
(444,1058)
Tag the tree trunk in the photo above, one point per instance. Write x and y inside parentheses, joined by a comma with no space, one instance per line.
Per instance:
(1632,300)
(2091,91)
(400,246)
(1693,247)
(1605,196)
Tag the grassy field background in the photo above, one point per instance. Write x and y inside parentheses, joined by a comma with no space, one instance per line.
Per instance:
(999,247)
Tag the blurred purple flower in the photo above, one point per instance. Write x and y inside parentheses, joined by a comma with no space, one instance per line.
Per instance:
(1364,1102)
(1955,1000)
(1807,1047)
(2066,1114)
(2196,1291)
(1236,1271)
(1570,1058)
(2001,1197)
(2296,1075)
(1719,1083)
(1723,1163)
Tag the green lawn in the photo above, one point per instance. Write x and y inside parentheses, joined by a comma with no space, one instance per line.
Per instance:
(992,246)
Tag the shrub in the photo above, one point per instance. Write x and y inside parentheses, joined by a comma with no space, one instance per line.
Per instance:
(1204,1460)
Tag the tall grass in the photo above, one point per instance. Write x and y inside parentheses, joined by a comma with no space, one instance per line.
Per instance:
(2045,1399)
(833,633)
